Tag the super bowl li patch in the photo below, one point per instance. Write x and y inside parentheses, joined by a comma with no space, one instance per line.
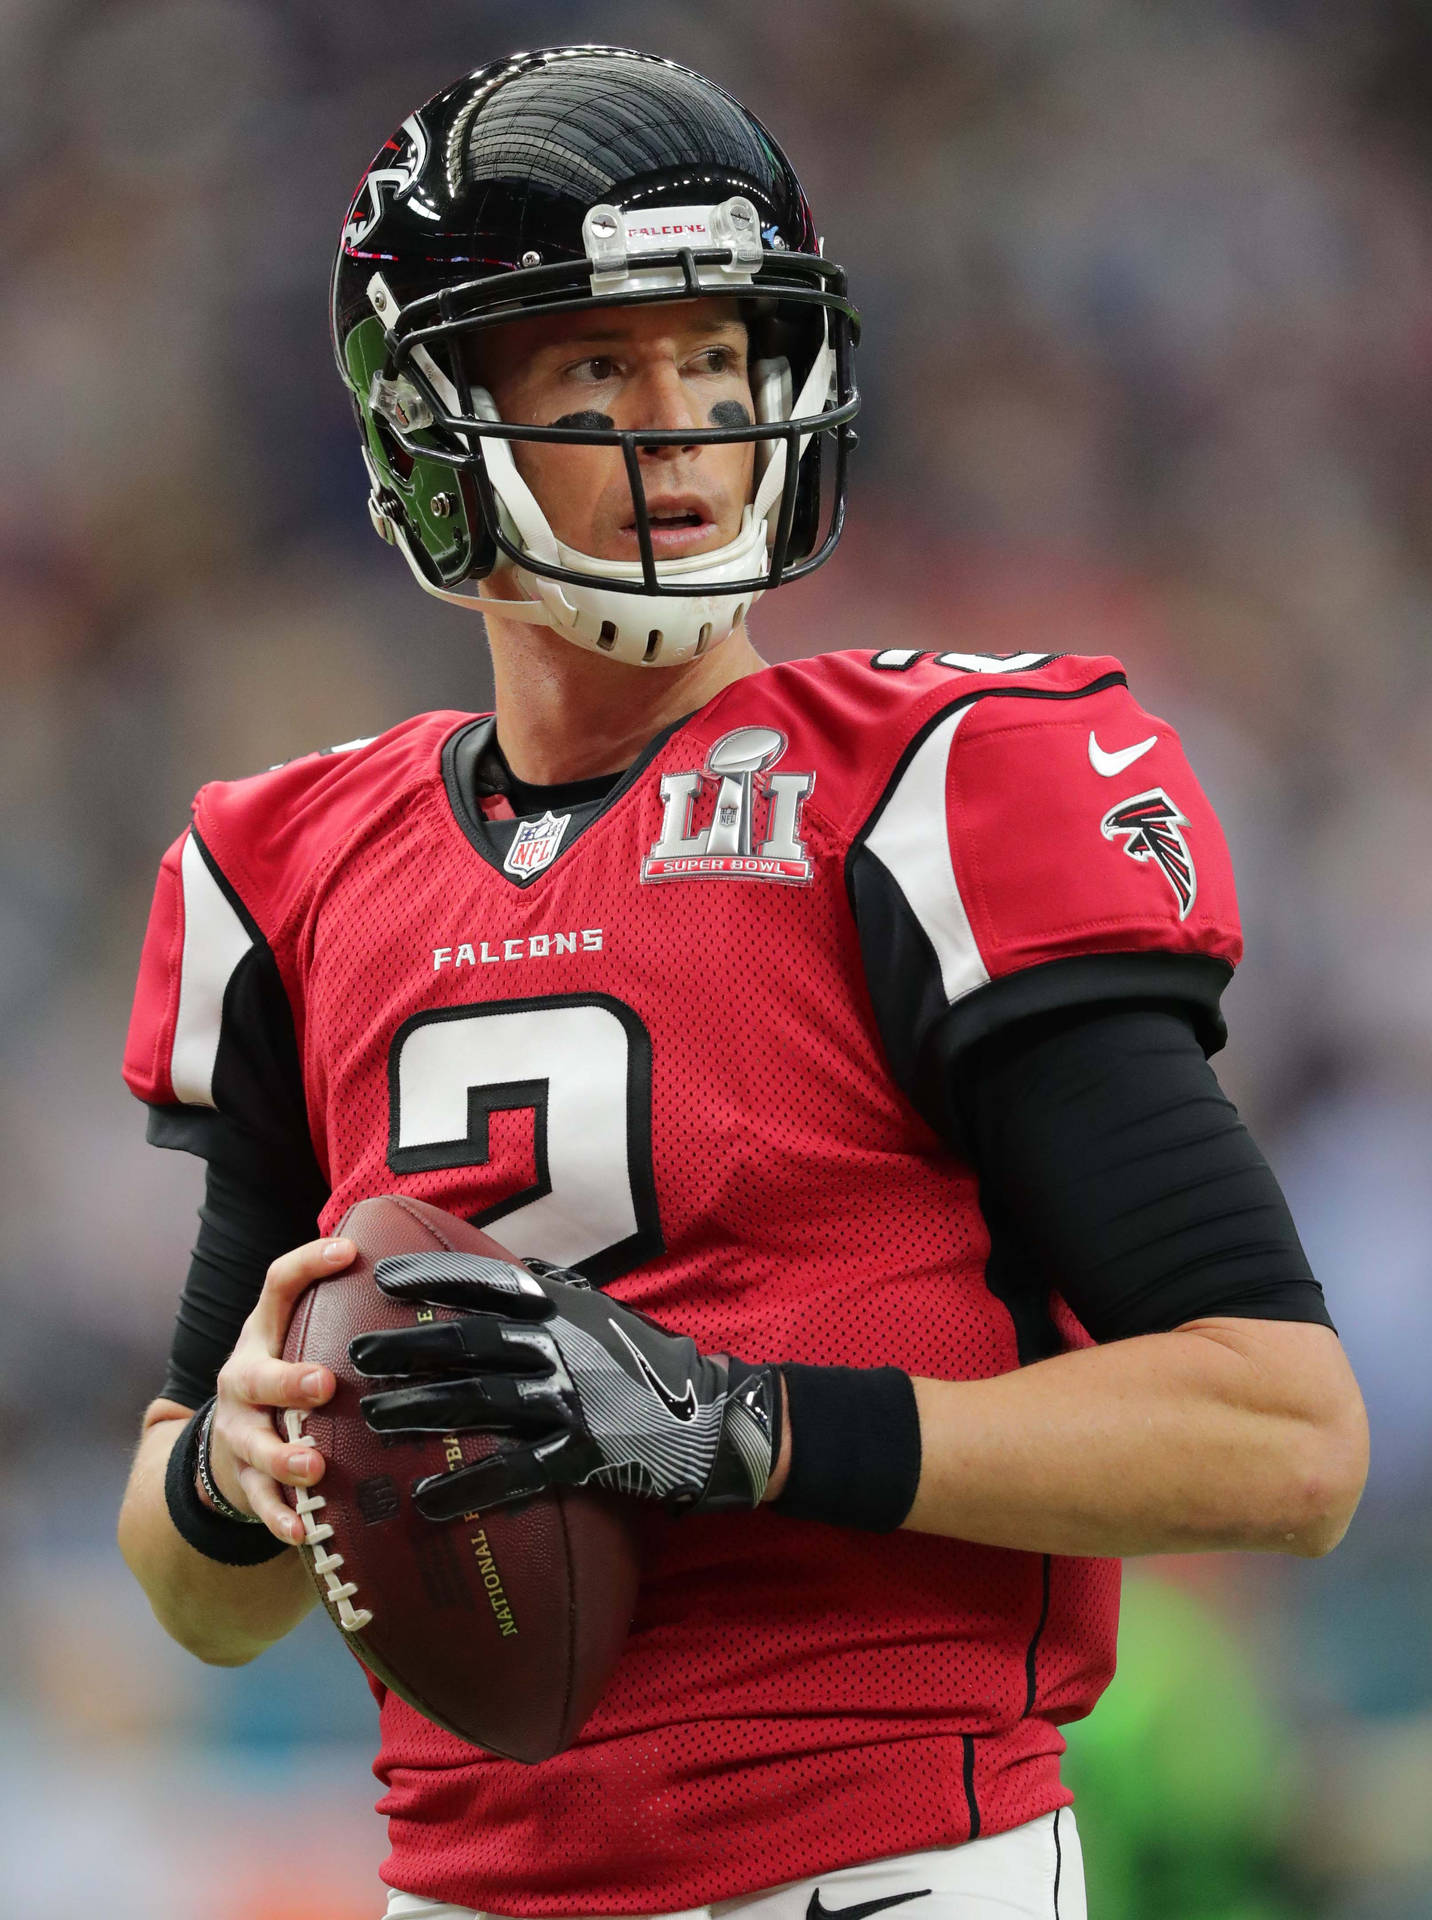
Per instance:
(749,824)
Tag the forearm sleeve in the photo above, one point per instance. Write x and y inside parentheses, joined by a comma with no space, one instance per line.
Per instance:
(244,1224)
(1115,1171)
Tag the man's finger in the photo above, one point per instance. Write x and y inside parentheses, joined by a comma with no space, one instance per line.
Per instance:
(513,1473)
(477,1340)
(249,1446)
(270,1382)
(486,1403)
(470,1281)
(255,1443)
(268,1504)
(287,1278)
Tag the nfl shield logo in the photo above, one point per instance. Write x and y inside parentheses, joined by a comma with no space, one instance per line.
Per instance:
(535,844)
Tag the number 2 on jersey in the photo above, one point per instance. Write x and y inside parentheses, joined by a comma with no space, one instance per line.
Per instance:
(581,1065)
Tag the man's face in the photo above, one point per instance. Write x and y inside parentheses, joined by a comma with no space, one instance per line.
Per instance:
(665,366)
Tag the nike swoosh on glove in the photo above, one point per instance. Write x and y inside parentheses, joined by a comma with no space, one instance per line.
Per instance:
(589,1391)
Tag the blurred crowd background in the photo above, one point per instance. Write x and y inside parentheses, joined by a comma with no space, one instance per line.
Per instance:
(1148,370)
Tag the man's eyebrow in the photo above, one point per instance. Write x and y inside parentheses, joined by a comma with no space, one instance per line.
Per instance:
(607,336)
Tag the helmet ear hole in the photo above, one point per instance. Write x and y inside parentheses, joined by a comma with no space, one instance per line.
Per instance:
(399,460)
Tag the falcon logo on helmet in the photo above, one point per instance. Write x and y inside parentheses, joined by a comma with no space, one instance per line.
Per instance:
(1151,826)
(600,212)
(398,177)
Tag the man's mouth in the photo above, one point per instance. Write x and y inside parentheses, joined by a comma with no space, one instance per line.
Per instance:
(678,525)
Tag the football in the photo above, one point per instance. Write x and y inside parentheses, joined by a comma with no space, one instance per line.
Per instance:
(502,1627)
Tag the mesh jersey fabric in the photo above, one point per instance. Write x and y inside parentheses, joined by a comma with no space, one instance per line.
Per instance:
(682,1055)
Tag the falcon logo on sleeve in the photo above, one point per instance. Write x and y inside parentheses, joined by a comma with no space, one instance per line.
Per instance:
(1152,828)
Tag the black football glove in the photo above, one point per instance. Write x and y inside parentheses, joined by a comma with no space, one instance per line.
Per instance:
(596,1392)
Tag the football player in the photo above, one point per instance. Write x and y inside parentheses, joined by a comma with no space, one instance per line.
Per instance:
(850,1016)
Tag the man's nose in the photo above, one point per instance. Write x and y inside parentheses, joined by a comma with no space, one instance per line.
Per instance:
(659,398)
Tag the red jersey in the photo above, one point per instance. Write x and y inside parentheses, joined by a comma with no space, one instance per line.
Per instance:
(696,1038)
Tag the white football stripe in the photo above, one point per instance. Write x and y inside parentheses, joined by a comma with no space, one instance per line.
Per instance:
(215,941)
(911,841)
(992,662)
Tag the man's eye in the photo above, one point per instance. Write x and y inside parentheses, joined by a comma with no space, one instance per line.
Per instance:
(717,360)
(597,370)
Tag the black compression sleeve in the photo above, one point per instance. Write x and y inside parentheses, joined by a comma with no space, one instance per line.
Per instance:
(1115,1171)
(244,1224)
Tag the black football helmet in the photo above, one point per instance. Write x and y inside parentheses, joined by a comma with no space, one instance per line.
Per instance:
(557,181)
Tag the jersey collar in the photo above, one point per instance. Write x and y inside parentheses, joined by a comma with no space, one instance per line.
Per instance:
(471,772)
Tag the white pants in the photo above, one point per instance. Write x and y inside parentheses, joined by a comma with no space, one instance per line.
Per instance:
(1034,1872)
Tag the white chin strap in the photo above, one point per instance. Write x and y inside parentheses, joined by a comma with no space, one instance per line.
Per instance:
(642,629)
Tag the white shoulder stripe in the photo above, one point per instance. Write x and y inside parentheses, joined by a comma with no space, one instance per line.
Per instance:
(215,941)
(994,662)
(911,841)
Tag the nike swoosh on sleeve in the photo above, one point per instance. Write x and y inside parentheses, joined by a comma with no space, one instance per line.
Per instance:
(1111,763)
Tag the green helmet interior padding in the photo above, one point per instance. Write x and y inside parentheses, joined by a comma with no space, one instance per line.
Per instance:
(446,538)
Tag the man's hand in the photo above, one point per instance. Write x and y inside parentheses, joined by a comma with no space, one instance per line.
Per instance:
(590,1390)
(248,1460)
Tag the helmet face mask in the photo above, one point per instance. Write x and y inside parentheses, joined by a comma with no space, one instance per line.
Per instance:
(409,330)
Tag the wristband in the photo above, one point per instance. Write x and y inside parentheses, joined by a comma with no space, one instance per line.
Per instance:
(205,1475)
(233,1543)
(855,1447)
